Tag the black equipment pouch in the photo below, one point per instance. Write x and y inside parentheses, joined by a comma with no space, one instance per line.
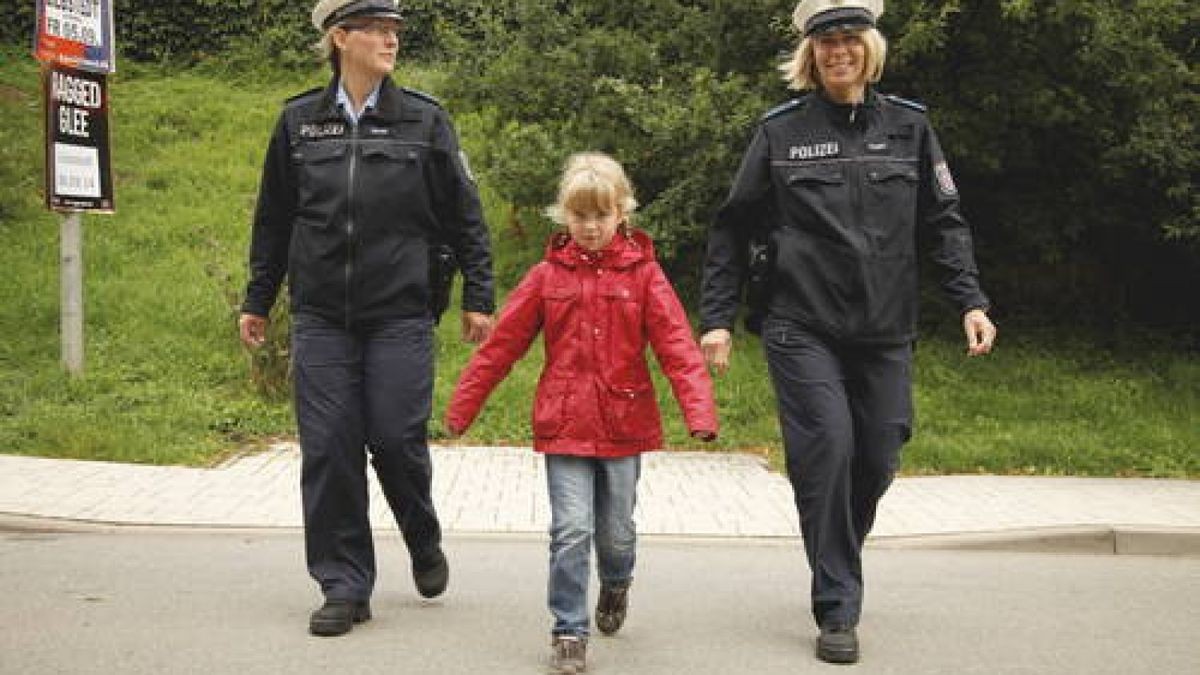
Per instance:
(443,263)
(758,281)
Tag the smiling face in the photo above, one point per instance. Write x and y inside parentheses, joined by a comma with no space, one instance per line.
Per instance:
(368,46)
(841,61)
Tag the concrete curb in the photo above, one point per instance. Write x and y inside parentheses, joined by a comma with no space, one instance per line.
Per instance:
(1084,539)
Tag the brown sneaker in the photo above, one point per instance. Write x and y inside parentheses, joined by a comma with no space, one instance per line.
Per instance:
(569,656)
(611,607)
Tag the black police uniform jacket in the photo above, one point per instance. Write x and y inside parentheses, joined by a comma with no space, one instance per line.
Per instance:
(839,192)
(348,212)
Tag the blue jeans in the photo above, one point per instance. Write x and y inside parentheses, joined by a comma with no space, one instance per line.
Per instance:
(589,498)
(366,389)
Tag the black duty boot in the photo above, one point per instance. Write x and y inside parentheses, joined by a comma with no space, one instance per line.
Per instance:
(837,644)
(611,607)
(431,574)
(337,617)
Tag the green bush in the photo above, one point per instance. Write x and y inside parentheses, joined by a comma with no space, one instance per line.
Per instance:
(657,84)
(251,33)
(1068,125)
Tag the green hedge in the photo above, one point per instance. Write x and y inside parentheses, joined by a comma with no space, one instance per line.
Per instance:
(265,32)
(1070,127)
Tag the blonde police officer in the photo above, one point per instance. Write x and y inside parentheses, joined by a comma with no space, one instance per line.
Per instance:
(838,183)
(360,179)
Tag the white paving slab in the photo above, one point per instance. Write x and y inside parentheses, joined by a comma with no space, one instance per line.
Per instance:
(489,489)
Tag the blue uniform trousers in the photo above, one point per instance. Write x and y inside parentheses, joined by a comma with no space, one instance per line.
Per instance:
(360,390)
(845,411)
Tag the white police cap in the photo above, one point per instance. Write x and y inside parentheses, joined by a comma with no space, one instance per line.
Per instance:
(329,13)
(820,16)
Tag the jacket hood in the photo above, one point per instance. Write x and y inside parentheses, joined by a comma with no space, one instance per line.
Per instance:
(625,250)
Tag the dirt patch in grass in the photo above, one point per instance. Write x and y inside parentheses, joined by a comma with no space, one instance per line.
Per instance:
(11,94)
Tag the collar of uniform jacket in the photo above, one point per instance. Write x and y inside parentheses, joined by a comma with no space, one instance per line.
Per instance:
(387,106)
(623,251)
(848,113)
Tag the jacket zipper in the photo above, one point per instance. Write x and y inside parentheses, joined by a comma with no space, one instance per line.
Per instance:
(353,169)
(858,145)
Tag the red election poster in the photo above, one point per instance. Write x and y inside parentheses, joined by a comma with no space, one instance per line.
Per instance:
(75,33)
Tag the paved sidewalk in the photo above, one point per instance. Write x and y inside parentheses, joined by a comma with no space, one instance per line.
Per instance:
(502,490)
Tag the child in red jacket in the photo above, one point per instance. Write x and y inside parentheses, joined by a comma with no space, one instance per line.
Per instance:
(599,297)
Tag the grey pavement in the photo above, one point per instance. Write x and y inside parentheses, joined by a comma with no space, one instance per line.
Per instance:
(154,601)
(687,494)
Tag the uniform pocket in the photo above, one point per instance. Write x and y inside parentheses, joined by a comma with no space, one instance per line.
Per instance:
(824,174)
(893,185)
(893,174)
(320,172)
(390,152)
(891,194)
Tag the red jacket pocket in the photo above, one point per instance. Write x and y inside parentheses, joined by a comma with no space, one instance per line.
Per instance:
(630,412)
(550,407)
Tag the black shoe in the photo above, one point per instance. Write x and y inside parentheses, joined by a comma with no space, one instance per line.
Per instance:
(337,617)
(837,644)
(431,574)
(611,607)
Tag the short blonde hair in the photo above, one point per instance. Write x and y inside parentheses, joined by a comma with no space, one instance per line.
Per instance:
(327,49)
(800,70)
(592,182)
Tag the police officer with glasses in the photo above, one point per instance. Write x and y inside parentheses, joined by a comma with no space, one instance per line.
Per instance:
(361,181)
(836,185)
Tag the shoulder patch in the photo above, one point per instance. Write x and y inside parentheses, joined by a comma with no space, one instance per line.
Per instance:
(303,94)
(911,105)
(421,95)
(785,107)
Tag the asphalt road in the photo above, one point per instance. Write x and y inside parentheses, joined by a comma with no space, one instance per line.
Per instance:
(165,602)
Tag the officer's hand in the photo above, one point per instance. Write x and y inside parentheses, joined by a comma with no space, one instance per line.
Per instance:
(476,327)
(253,330)
(981,332)
(716,345)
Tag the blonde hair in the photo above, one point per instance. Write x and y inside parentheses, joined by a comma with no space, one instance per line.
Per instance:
(592,182)
(327,49)
(800,70)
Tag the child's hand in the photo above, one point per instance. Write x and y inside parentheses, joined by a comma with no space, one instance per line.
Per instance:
(452,431)
(706,436)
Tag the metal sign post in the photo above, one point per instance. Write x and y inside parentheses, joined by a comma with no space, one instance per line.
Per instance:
(74,41)
(71,293)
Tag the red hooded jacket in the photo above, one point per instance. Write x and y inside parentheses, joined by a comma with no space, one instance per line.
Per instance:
(598,311)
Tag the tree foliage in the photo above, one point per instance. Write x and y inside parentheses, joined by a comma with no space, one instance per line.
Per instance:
(661,85)
(273,33)
(1070,125)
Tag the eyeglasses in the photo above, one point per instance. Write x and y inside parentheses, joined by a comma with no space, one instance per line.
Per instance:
(376,28)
